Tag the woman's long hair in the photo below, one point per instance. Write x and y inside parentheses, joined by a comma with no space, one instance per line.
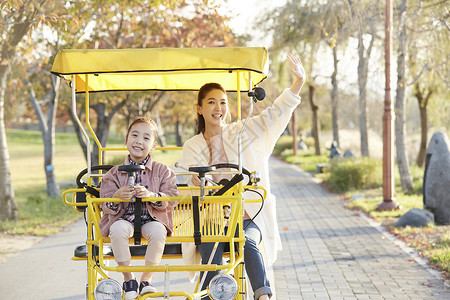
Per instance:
(205,89)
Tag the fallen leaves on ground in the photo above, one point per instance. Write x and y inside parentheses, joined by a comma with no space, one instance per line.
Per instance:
(432,242)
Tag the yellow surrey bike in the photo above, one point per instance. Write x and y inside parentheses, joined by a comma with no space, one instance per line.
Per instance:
(199,215)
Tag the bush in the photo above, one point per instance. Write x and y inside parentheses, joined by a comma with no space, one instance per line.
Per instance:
(307,160)
(288,152)
(354,173)
(309,141)
(283,143)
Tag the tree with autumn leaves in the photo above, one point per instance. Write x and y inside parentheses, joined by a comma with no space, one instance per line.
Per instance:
(420,29)
(87,24)
(33,31)
(18,19)
(144,24)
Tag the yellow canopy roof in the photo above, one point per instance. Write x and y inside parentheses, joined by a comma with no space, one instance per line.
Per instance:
(162,68)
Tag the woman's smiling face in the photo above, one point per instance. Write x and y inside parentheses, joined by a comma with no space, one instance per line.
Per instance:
(214,108)
(140,141)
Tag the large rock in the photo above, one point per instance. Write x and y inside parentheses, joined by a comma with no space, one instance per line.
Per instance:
(436,180)
(416,217)
(348,153)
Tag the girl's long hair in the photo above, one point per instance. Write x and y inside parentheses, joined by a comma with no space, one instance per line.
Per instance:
(206,88)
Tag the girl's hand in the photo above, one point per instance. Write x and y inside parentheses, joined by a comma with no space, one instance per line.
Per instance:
(142,192)
(296,68)
(124,193)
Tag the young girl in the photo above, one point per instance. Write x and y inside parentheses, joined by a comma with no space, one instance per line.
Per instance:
(216,142)
(156,180)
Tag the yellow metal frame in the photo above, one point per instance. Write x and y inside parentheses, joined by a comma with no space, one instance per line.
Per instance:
(165,69)
(183,232)
(91,71)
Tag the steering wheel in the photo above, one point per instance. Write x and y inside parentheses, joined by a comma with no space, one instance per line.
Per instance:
(234,166)
(79,180)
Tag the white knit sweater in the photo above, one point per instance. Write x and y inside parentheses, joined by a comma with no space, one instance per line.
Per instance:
(258,141)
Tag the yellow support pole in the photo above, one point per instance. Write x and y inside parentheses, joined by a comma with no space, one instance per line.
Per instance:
(238,95)
(88,121)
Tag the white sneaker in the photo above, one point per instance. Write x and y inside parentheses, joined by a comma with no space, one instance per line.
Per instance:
(146,287)
(130,288)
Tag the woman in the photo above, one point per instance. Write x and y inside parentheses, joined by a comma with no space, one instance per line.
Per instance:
(216,142)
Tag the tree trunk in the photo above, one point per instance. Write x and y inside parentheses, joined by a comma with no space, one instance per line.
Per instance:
(8,205)
(49,142)
(21,21)
(363,69)
(294,133)
(178,129)
(161,134)
(423,104)
(102,130)
(423,136)
(48,132)
(315,132)
(334,98)
(402,158)
(79,133)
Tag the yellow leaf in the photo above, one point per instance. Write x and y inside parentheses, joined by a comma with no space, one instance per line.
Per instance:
(333,43)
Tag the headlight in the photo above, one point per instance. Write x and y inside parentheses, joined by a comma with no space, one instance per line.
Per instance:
(222,287)
(108,289)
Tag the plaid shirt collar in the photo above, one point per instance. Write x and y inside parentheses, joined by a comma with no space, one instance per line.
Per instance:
(143,163)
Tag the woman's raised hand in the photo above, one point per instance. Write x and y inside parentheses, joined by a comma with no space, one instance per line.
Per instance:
(296,68)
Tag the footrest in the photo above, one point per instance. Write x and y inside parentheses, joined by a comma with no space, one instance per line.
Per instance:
(136,250)
(81,251)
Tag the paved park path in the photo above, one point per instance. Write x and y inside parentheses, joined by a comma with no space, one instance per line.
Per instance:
(329,252)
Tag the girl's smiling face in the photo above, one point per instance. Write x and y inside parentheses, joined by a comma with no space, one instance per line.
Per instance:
(140,141)
(214,108)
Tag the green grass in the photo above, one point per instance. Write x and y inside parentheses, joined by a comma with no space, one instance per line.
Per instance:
(38,213)
(368,200)
(306,160)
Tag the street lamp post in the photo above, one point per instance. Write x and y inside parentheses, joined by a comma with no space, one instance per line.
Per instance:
(389,202)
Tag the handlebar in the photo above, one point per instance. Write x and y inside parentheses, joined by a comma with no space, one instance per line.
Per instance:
(82,184)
